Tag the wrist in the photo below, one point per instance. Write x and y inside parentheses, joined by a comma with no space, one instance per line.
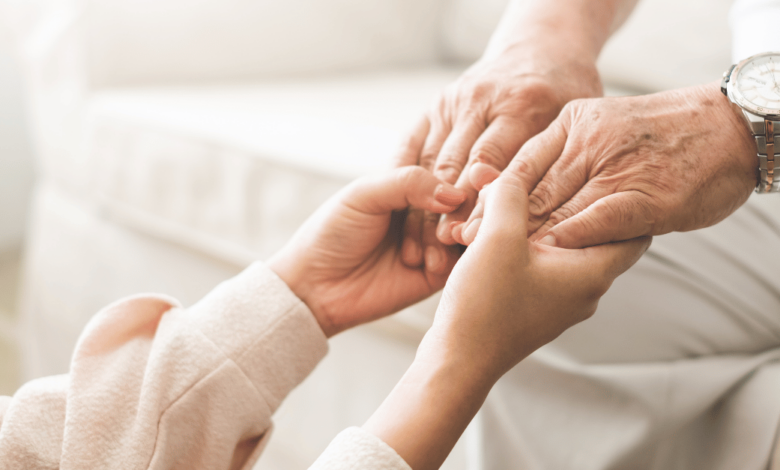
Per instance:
(575,30)
(289,271)
(472,366)
(426,412)
(733,120)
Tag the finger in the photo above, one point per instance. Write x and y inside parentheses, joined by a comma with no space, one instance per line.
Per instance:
(401,188)
(441,138)
(587,195)
(540,153)
(506,209)
(437,279)
(457,233)
(410,154)
(467,229)
(565,179)
(454,153)
(443,231)
(424,144)
(496,146)
(449,166)
(603,263)
(481,174)
(411,248)
(411,148)
(438,132)
(435,251)
(619,216)
(490,155)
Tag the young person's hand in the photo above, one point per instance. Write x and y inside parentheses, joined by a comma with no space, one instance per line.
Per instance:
(505,298)
(508,296)
(344,262)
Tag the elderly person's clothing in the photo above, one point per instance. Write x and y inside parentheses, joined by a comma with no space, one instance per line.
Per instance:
(678,369)
(157,386)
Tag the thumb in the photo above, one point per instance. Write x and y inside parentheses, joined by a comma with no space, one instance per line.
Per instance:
(610,260)
(482,174)
(401,188)
(505,207)
(620,216)
(495,148)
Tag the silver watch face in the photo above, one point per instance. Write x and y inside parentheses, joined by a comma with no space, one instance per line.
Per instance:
(755,84)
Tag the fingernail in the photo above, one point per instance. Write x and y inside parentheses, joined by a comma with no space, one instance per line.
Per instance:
(548,239)
(470,232)
(449,195)
(433,258)
(444,230)
(457,233)
(412,252)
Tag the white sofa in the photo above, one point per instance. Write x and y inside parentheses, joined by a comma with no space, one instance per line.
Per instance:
(178,141)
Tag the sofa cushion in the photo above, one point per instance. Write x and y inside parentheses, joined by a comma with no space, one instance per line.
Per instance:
(153,41)
(234,170)
(665,44)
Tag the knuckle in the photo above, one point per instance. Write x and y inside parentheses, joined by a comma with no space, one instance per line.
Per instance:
(577,107)
(538,91)
(410,175)
(561,214)
(480,91)
(525,171)
(540,201)
(428,158)
(578,104)
(570,107)
(449,168)
(489,153)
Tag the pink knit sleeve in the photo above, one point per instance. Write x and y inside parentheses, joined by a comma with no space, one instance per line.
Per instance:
(154,385)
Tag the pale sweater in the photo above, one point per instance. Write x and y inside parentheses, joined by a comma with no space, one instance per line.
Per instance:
(155,385)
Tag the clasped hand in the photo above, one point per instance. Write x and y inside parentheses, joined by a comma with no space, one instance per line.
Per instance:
(611,169)
(504,298)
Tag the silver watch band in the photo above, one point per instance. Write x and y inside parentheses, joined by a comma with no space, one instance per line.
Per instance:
(767,135)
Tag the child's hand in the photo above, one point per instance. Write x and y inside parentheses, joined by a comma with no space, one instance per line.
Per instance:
(344,262)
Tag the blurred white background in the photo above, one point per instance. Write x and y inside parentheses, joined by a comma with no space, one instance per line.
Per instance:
(177,141)
(16,178)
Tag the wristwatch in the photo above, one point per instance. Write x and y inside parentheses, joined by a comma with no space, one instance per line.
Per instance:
(754,86)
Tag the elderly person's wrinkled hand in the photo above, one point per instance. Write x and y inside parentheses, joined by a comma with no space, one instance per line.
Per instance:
(511,94)
(344,262)
(617,168)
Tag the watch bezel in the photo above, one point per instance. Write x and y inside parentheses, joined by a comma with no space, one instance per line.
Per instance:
(737,95)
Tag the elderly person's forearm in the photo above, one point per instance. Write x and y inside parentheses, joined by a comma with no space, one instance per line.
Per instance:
(584,25)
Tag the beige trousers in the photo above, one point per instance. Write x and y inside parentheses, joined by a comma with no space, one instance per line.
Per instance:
(678,369)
